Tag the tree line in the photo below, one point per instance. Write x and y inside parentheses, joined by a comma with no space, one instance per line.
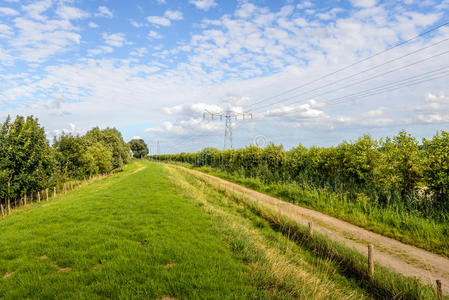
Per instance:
(28,163)
(398,172)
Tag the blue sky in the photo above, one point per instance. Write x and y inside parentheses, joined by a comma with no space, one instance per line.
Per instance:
(151,67)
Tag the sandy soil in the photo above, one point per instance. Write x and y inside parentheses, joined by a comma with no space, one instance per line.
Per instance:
(402,258)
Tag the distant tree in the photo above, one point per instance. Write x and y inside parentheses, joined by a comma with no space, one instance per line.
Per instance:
(112,139)
(139,148)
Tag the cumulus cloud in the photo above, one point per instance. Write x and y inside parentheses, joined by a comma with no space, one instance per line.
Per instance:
(175,15)
(6,11)
(363,3)
(92,25)
(68,12)
(154,35)
(203,4)
(115,39)
(162,21)
(103,11)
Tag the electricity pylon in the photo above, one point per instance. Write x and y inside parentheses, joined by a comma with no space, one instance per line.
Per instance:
(227,115)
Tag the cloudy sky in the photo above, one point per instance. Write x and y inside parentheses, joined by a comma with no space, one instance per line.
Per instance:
(151,68)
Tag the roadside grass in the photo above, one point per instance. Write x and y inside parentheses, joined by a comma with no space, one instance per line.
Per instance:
(277,263)
(385,284)
(127,236)
(406,227)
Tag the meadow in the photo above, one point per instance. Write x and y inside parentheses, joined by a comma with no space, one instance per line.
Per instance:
(155,232)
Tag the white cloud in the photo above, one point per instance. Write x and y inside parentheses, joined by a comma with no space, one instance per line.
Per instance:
(136,24)
(100,50)
(192,110)
(175,15)
(116,39)
(192,126)
(6,11)
(103,11)
(5,31)
(92,25)
(140,52)
(297,112)
(363,3)
(161,1)
(154,35)
(35,9)
(68,12)
(36,41)
(374,113)
(203,4)
(159,20)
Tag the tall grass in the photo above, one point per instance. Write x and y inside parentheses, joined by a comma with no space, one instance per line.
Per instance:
(385,284)
(407,226)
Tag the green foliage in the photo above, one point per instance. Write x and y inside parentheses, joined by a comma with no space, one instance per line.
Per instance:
(28,163)
(437,167)
(139,148)
(112,139)
(26,159)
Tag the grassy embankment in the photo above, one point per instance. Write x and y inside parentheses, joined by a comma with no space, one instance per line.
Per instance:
(410,228)
(135,235)
(125,236)
(132,235)
(317,251)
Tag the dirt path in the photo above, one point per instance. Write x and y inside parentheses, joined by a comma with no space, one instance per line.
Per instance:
(402,258)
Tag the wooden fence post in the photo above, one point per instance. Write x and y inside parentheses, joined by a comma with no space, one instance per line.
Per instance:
(46,194)
(65,188)
(39,197)
(25,199)
(310,229)
(54,192)
(370,260)
(3,213)
(9,205)
(439,290)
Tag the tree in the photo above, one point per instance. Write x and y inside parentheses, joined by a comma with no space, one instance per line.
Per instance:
(139,148)
(26,159)
(112,139)
(401,163)
(69,156)
(437,166)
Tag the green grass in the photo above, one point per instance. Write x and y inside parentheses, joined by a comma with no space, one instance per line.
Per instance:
(276,261)
(126,236)
(406,227)
(345,262)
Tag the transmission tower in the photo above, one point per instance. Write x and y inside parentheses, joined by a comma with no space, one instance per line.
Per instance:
(227,115)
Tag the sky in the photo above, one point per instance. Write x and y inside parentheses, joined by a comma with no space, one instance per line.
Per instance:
(309,72)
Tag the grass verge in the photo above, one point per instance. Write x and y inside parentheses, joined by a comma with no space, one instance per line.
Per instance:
(385,284)
(277,263)
(406,227)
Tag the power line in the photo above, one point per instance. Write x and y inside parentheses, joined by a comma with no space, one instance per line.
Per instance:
(351,84)
(410,81)
(353,64)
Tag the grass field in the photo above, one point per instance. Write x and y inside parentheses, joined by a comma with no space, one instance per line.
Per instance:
(126,236)
(413,229)
(154,232)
